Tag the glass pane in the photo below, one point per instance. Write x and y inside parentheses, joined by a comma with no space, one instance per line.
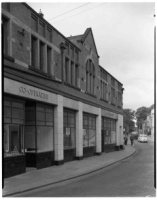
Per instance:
(107,136)
(40,116)
(65,121)
(49,117)
(49,124)
(41,123)
(17,113)
(85,121)
(17,105)
(92,141)
(113,136)
(40,109)
(6,139)
(30,138)
(90,123)
(30,123)
(69,138)
(12,140)
(30,115)
(7,112)
(49,110)
(17,121)
(7,120)
(44,138)
(71,122)
(85,138)
(7,103)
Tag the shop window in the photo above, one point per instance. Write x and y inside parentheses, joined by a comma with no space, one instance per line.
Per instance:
(69,129)
(13,140)
(13,127)
(5,35)
(109,129)
(39,131)
(13,112)
(89,132)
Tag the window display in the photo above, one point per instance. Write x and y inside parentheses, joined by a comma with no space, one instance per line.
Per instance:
(39,131)
(13,127)
(109,128)
(89,132)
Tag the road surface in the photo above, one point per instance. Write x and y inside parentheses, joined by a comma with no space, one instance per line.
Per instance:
(132,177)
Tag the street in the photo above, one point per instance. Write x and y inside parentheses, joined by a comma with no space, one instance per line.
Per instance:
(132,177)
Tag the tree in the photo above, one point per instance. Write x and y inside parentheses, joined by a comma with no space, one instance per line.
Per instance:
(128,117)
(141,115)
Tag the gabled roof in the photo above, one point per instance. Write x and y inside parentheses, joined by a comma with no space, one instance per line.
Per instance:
(81,38)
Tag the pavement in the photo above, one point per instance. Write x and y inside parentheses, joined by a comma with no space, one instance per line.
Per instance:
(34,179)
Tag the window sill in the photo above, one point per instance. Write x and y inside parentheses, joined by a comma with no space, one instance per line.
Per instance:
(43,73)
(104,100)
(113,104)
(72,86)
(8,58)
(13,155)
(90,94)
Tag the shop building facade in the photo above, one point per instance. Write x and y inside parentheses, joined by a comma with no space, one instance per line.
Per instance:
(59,104)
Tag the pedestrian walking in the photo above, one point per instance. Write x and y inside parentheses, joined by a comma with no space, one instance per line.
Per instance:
(125,139)
(132,140)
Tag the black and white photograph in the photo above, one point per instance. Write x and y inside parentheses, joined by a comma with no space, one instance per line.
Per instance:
(78,103)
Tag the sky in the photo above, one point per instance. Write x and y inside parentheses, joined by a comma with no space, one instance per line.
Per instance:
(124,37)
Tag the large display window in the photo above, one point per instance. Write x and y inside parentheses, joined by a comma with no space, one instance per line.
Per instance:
(69,129)
(39,130)
(13,127)
(89,132)
(109,130)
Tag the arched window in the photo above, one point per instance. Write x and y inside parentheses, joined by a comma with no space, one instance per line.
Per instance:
(90,76)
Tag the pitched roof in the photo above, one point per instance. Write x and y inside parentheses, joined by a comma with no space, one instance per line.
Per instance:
(81,38)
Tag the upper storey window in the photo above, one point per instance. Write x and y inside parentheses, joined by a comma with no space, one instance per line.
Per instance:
(90,77)
(5,34)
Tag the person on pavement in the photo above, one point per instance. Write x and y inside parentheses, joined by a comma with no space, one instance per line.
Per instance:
(125,139)
(131,140)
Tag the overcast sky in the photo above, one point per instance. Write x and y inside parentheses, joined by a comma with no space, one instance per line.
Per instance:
(124,37)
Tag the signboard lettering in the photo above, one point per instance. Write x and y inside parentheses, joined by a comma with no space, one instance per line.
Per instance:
(32,92)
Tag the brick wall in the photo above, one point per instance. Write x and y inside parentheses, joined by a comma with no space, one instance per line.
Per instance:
(20,45)
(21,12)
(87,54)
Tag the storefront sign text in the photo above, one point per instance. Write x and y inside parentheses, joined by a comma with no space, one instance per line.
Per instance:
(34,93)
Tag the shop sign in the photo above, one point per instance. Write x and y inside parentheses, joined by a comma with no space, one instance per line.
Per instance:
(31,92)
(67,131)
(24,90)
(106,113)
